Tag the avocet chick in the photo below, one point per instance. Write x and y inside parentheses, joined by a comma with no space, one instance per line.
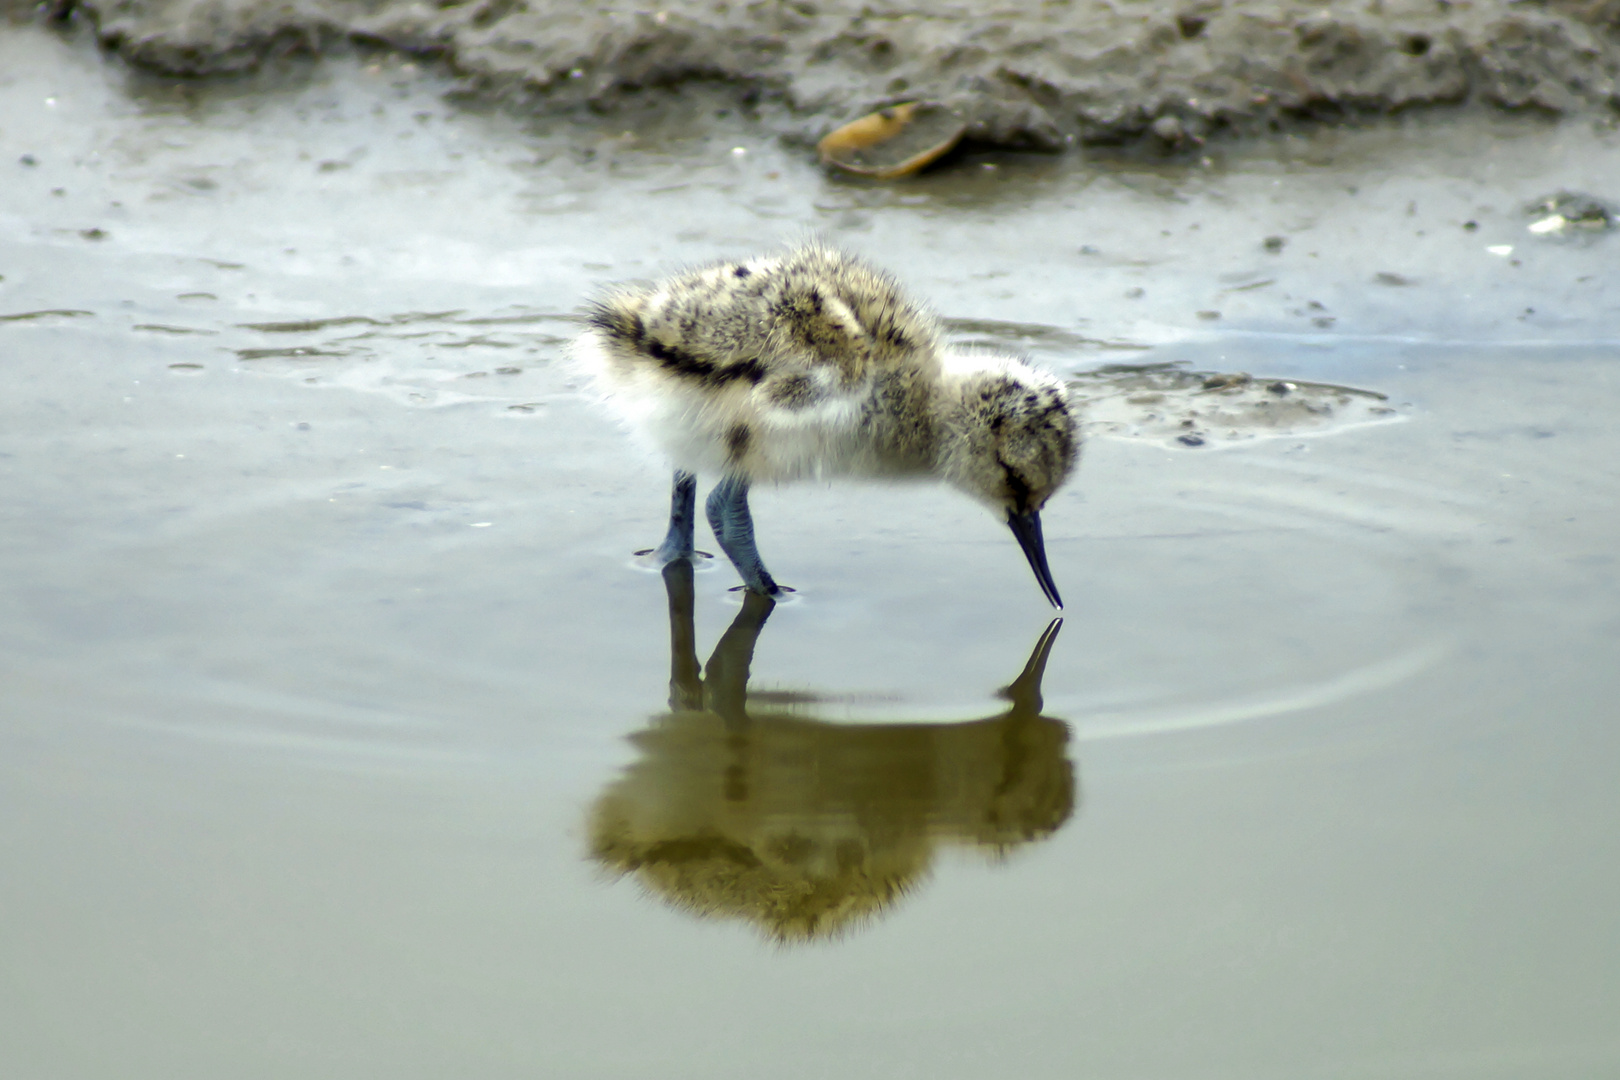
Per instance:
(813,364)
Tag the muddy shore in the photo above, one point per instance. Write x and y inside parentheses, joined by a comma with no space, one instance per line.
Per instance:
(1044,77)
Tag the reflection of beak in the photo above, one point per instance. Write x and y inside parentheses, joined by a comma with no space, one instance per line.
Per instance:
(1027,527)
(1025,691)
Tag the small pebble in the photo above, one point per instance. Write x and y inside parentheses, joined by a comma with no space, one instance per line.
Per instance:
(1169,129)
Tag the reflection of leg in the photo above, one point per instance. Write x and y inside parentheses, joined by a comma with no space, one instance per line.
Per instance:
(682,517)
(734,527)
(725,680)
(685,682)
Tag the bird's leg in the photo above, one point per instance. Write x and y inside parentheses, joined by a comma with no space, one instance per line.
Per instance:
(682,519)
(734,527)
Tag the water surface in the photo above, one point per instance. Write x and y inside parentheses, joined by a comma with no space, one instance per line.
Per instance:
(323,648)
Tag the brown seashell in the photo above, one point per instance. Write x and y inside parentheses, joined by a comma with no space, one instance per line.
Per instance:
(893,142)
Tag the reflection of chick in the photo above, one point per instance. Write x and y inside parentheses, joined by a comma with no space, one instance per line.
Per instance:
(751,810)
(813,364)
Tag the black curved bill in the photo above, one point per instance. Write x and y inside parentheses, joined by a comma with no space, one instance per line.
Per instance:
(1027,527)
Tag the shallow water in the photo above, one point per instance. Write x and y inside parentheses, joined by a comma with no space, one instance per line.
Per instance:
(323,650)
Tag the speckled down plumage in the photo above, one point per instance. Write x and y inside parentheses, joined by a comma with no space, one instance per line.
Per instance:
(813,363)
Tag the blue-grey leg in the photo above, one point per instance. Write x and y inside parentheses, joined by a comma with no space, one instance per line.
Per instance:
(734,527)
(682,520)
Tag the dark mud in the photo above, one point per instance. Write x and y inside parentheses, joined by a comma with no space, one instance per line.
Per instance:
(1042,76)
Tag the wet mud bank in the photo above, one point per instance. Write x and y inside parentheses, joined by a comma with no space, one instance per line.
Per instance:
(1041,77)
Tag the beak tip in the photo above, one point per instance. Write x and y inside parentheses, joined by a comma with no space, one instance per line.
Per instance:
(1027,528)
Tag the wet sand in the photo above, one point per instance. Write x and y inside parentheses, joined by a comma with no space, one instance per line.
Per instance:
(332,691)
